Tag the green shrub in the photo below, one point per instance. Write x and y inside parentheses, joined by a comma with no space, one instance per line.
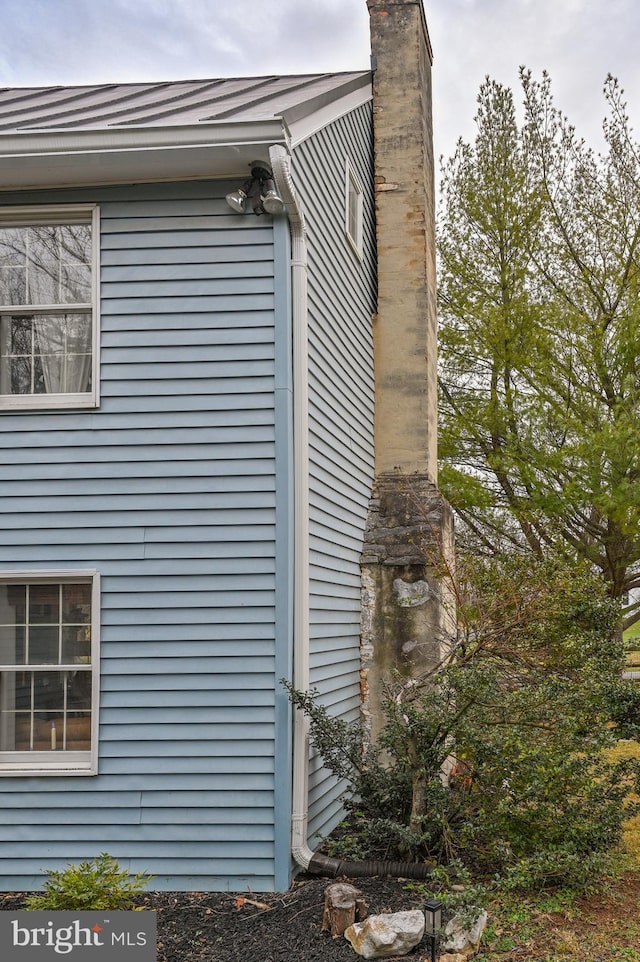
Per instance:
(95,885)
(460,896)
(524,703)
(624,701)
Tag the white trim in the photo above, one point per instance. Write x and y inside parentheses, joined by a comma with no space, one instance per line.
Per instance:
(59,214)
(96,619)
(352,178)
(65,762)
(43,402)
(45,575)
(30,215)
(301,130)
(64,767)
(95,305)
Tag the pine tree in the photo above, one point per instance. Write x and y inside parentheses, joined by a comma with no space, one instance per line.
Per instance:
(540,333)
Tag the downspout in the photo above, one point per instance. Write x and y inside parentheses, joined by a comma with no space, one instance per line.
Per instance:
(314,862)
(280,165)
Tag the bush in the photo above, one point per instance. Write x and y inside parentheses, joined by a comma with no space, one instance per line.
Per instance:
(624,706)
(96,885)
(523,705)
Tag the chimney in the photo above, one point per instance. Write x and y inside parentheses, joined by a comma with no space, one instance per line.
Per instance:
(406,614)
(405,327)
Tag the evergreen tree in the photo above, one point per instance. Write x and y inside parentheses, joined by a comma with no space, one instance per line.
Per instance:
(540,333)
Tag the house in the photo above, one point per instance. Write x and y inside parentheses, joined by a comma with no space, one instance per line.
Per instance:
(187,401)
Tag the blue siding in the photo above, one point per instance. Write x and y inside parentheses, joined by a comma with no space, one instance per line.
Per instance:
(341,304)
(169,490)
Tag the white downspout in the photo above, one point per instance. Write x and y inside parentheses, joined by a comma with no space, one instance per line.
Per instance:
(280,165)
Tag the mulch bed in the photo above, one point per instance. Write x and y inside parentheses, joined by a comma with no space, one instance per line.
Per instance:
(281,927)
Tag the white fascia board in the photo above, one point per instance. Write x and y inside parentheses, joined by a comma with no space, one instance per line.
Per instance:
(300,130)
(93,157)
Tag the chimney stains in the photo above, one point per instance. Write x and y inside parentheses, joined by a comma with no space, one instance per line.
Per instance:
(408,522)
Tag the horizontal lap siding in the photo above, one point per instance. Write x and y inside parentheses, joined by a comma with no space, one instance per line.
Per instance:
(341,303)
(169,491)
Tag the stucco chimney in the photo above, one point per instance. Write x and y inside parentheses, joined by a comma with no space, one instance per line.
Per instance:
(405,326)
(406,617)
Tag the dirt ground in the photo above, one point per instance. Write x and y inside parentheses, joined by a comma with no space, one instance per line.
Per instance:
(286,927)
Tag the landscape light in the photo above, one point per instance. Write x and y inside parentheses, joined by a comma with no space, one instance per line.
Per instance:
(433,923)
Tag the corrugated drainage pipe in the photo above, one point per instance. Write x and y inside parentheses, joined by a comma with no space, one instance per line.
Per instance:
(336,867)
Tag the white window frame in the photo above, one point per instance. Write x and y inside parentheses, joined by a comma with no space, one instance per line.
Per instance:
(61,762)
(353,188)
(37,216)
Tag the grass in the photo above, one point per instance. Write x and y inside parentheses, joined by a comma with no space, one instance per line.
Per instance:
(603,926)
(631,838)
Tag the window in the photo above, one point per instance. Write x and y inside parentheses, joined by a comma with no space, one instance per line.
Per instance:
(48,307)
(48,673)
(353,221)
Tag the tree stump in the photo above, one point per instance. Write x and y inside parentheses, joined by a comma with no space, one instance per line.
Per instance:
(343,905)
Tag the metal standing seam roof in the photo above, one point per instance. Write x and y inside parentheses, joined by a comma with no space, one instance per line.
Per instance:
(172,103)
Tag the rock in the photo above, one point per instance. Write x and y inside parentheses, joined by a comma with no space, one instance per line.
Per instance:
(454,957)
(462,938)
(412,594)
(384,936)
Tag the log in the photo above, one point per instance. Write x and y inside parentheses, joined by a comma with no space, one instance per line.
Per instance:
(343,905)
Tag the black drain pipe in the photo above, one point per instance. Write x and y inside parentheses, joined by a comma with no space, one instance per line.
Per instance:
(335,867)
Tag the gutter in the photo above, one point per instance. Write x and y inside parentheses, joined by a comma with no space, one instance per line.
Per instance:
(281,167)
(110,140)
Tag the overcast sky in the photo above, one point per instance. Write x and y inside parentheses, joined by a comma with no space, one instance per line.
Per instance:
(47,42)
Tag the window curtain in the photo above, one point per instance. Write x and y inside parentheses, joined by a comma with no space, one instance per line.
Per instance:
(7,708)
(63,344)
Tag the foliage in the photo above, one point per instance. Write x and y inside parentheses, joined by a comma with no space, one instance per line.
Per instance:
(540,336)
(559,927)
(521,703)
(624,707)
(98,884)
(460,895)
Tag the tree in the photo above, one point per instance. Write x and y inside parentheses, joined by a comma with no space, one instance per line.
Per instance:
(540,333)
(522,700)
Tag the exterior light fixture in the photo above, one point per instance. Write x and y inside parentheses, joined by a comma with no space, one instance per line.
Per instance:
(272,202)
(260,189)
(237,199)
(433,923)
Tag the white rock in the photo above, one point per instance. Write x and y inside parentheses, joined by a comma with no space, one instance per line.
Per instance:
(412,594)
(461,938)
(383,936)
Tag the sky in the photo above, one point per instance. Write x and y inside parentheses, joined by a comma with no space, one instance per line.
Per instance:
(50,42)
